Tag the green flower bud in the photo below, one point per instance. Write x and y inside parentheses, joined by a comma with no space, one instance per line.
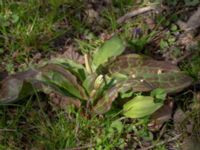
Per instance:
(98,81)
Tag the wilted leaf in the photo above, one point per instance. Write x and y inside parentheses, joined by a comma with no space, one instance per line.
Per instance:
(63,101)
(104,104)
(17,86)
(70,53)
(178,118)
(140,106)
(162,115)
(110,48)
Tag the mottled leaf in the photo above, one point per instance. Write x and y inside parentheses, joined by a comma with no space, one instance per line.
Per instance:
(46,79)
(134,64)
(71,66)
(88,83)
(56,74)
(104,104)
(146,74)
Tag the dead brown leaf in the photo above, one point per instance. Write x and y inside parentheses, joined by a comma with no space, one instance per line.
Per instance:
(161,116)
(72,54)
(63,101)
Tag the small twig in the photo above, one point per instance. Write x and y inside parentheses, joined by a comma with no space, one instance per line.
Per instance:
(161,143)
(81,147)
(8,130)
(178,60)
(135,13)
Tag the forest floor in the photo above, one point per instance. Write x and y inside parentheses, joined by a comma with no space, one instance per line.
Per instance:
(34,31)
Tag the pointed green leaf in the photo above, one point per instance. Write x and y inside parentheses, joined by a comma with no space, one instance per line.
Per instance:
(110,48)
(118,125)
(159,94)
(140,106)
(145,74)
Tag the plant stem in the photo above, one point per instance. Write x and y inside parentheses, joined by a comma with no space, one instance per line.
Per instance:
(87,65)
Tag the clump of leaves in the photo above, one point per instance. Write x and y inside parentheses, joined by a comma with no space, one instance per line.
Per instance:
(96,90)
(68,78)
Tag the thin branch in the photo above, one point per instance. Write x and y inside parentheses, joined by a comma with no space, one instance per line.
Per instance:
(8,130)
(162,143)
(135,13)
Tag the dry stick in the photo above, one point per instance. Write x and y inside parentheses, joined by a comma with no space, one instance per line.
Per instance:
(163,142)
(192,23)
(135,13)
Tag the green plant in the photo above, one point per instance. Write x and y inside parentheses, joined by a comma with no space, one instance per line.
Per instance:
(69,78)
(93,88)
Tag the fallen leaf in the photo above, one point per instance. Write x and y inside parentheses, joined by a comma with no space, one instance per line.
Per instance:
(17,86)
(178,118)
(72,54)
(63,101)
(162,115)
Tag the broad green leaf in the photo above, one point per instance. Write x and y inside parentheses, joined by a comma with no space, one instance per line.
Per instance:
(126,94)
(110,48)
(145,74)
(159,94)
(117,124)
(140,106)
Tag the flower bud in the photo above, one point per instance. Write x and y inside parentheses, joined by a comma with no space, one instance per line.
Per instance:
(98,81)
